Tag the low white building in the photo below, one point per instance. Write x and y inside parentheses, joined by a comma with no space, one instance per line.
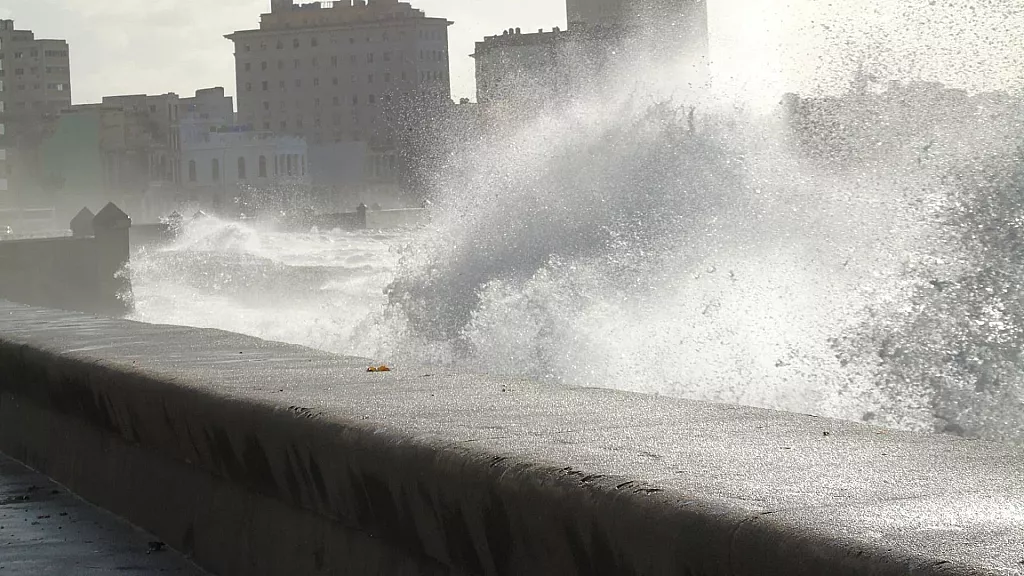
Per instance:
(219,161)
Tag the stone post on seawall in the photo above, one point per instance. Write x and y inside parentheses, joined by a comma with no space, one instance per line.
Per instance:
(81,225)
(111,252)
(361,216)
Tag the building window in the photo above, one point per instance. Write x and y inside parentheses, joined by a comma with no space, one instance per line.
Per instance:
(241,168)
(355,100)
(372,99)
(316,61)
(263,166)
(248,48)
(295,43)
(289,162)
(298,63)
(266,125)
(266,105)
(335,81)
(387,56)
(369,58)
(280,64)
(298,82)
(303,164)
(369,79)
(266,85)
(352,59)
(316,103)
(280,44)
(248,66)
(248,86)
(334,61)
(191,170)
(284,125)
(316,81)
(387,77)
(215,169)
(263,65)
(313,42)
(337,101)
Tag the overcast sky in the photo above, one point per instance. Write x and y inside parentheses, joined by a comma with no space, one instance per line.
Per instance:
(157,46)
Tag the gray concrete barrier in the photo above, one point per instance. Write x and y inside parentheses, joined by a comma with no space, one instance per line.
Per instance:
(78,272)
(366,219)
(261,458)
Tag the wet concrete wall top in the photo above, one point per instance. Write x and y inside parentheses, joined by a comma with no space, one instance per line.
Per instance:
(479,475)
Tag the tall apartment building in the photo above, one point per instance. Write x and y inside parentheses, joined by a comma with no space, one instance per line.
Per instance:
(525,70)
(342,72)
(35,84)
(672,26)
(520,71)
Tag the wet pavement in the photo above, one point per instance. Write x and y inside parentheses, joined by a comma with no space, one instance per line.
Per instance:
(46,531)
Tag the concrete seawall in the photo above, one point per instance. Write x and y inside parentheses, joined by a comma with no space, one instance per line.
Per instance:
(78,272)
(261,458)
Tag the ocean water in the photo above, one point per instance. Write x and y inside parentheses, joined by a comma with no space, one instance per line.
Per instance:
(857,256)
(313,289)
(625,247)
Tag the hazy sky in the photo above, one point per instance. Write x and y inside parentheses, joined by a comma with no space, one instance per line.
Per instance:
(157,46)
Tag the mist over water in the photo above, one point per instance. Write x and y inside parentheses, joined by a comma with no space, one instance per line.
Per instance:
(310,289)
(621,240)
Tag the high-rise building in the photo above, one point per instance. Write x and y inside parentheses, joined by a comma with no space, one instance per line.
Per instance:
(36,74)
(35,84)
(342,72)
(671,25)
(594,12)
(520,71)
(526,69)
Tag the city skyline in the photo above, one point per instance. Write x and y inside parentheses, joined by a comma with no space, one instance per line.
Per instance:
(206,58)
(124,47)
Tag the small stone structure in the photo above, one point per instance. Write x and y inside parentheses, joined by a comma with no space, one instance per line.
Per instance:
(84,272)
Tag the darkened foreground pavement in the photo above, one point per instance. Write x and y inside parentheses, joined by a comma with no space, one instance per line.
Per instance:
(44,531)
(261,458)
